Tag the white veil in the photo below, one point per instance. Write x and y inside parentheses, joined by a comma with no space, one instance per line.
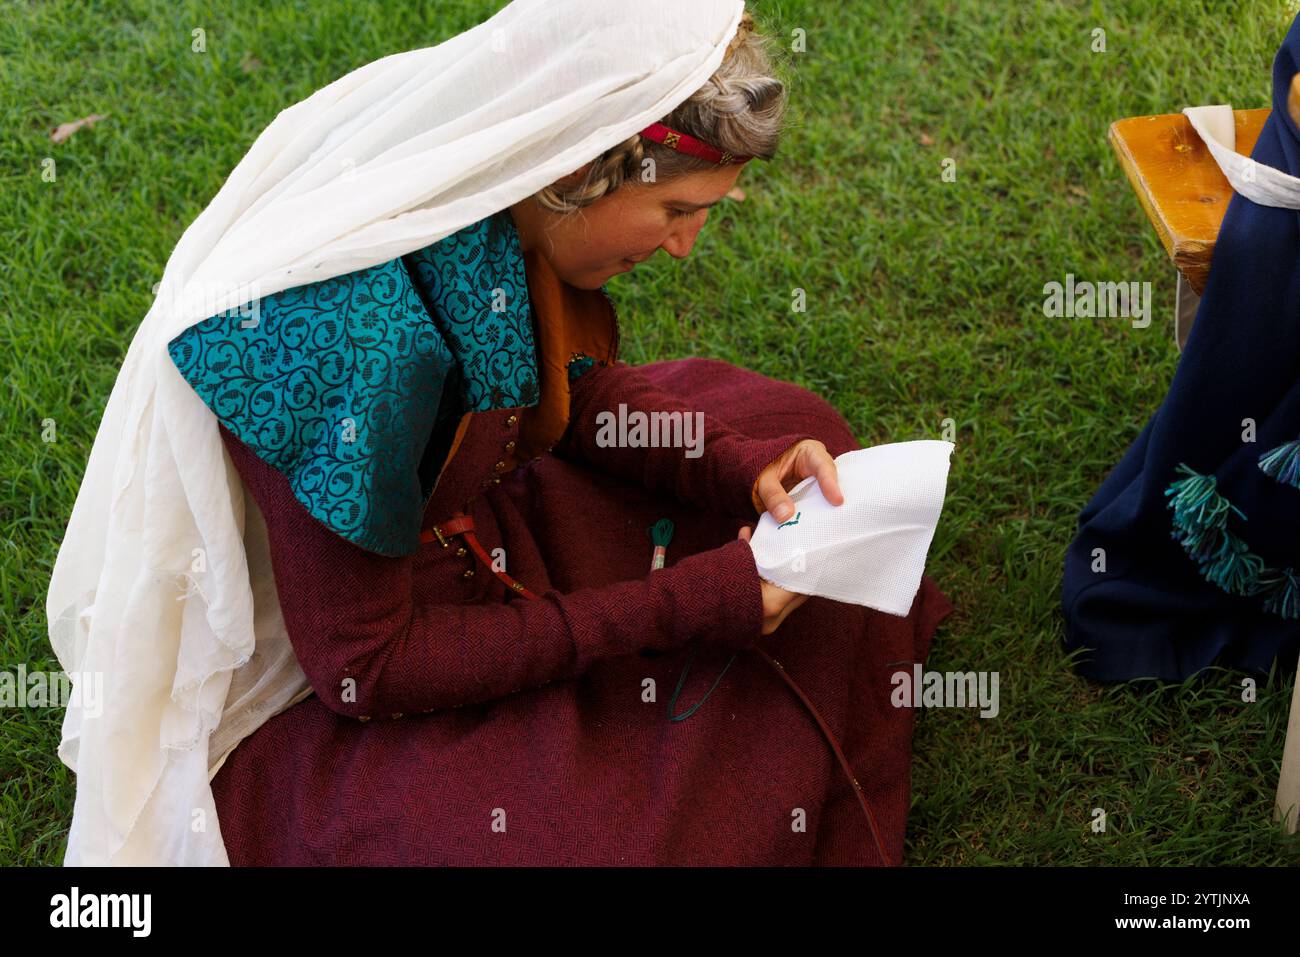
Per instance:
(161,594)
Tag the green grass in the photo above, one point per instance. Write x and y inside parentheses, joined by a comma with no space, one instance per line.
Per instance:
(923,304)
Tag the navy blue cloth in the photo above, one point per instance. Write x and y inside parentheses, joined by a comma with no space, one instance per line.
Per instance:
(1152,613)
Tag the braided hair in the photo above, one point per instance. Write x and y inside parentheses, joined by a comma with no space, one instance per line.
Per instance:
(741,108)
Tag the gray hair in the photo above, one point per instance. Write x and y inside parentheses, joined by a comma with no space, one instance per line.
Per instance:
(741,108)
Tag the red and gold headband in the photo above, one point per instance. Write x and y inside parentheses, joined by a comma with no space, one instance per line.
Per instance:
(685,143)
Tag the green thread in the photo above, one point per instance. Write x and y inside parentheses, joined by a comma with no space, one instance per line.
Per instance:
(682,680)
(661,532)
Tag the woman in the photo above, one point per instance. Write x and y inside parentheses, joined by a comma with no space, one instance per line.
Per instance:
(1184,557)
(462,559)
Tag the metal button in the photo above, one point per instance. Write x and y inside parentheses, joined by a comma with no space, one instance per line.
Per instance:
(468,573)
(512,420)
(500,465)
(460,552)
(497,480)
(396,716)
(363,717)
(510,445)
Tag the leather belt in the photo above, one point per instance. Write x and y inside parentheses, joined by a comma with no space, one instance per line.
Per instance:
(463,524)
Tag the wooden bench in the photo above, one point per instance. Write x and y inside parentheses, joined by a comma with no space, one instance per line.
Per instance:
(1185,196)
(1183,192)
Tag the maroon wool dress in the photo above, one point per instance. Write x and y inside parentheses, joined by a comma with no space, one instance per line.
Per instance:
(504,730)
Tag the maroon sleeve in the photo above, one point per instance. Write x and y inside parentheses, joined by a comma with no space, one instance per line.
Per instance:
(350,615)
(721,479)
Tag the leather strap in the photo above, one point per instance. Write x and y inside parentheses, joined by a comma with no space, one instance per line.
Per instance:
(835,746)
(462,524)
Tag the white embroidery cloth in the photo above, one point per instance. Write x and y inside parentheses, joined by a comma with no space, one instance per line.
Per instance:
(871,549)
(162,587)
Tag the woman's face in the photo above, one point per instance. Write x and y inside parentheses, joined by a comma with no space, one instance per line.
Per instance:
(608,237)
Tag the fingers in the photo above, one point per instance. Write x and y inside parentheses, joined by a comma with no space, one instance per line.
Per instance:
(790,606)
(828,477)
(744,532)
(812,459)
(774,495)
(772,620)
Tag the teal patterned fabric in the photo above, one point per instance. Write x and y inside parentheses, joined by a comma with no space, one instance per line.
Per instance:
(475,288)
(339,383)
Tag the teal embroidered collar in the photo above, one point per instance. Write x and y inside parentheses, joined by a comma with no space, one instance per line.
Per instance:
(338,383)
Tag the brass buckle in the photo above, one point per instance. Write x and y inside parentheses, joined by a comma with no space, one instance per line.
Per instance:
(437,531)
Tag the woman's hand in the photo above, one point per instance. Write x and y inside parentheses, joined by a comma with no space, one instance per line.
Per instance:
(777,602)
(796,463)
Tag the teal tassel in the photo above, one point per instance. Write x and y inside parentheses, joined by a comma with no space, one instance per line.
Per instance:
(1234,567)
(1199,543)
(1200,514)
(1283,463)
(1200,525)
(1284,596)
